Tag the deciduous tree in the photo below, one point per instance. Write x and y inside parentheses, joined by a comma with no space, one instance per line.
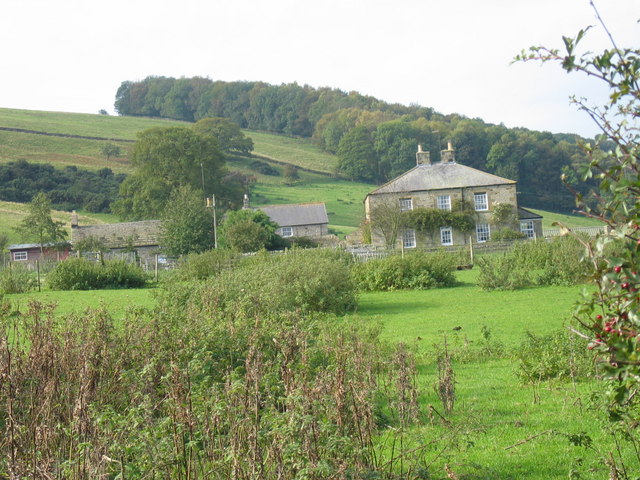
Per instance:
(38,224)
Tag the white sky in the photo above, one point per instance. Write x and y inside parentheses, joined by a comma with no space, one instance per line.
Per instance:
(452,55)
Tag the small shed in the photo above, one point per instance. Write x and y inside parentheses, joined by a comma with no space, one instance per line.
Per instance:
(28,253)
(530,223)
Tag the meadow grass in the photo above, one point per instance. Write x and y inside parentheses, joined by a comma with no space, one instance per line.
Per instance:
(11,214)
(548,218)
(297,151)
(499,428)
(493,411)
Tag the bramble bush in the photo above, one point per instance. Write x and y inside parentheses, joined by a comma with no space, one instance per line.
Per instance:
(16,280)
(526,264)
(305,280)
(417,270)
(81,274)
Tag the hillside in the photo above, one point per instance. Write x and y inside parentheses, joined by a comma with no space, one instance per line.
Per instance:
(66,143)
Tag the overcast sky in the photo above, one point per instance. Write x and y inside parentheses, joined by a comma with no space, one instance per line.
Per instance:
(452,55)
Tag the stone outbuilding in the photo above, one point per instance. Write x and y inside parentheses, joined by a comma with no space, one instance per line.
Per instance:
(444,185)
(299,220)
(141,238)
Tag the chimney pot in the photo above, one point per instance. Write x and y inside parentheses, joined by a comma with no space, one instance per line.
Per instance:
(423,158)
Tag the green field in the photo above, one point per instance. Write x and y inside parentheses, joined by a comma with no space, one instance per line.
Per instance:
(344,199)
(493,430)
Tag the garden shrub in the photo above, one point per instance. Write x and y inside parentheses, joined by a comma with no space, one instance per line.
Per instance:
(526,264)
(560,354)
(81,274)
(417,270)
(198,266)
(16,280)
(305,280)
(506,234)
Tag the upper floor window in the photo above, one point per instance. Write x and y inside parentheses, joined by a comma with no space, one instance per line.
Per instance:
(444,202)
(480,201)
(19,256)
(286,232)
(526,227)
(409,238)
(446,236)
(483,234)
(406,204)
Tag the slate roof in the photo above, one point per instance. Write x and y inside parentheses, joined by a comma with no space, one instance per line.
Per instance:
(440,176)
(118,235)
(27,246)
(524,214)
(297,214)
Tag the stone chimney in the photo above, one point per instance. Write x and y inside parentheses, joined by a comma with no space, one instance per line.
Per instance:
(74,219)
(422,158)
(448,155)
(245,202)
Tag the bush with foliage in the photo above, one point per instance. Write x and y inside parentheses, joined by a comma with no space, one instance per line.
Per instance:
(81,274)
(559,355)
(506,234)
(527,264)
(305,280)
(418,270)
(16,280)
(249,231)
(264,168)
(198,266)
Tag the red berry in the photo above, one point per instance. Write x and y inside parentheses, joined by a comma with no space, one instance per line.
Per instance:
(617,269)
(625,285)
(598,317)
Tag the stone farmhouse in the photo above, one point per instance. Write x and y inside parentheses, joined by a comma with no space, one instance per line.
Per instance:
(140,237)
(297,219)
(441,186)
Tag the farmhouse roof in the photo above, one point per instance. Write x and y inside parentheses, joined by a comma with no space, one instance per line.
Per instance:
(297,214)
(524,214)
(440,176)
(120,235)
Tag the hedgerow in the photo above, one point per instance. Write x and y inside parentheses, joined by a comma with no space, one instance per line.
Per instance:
(81,274)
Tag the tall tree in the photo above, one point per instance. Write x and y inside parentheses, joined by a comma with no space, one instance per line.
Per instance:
(187,226)
(164,159)
(228,134)
(38,224)
(356,156)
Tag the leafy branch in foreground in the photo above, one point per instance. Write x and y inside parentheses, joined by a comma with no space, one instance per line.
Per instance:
(610,317)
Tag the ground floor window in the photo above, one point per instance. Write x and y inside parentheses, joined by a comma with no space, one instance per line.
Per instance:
(526,227)
(287,232)
(409,239)
(483,234)
(19,256)
(446,236)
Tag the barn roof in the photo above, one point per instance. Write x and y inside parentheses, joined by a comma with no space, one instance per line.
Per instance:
(120,235)
(297,214)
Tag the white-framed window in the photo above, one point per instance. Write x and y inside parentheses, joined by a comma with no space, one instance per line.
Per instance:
(483,232)
(526,227)
(444,202)
(480,201)
(409,238)
(286,232)
(446,236)
(19,256)
(406,204)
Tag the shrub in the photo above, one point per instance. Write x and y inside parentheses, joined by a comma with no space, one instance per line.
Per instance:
(555,262)
(560,354)
(303,280)
(506,234)
(419,270)
(81,274)
(198,266)
(16,280)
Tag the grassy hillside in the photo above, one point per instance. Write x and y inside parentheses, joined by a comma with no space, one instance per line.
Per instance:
(11,214)
(343,198)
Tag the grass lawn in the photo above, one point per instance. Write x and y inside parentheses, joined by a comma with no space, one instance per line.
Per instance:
(499,428)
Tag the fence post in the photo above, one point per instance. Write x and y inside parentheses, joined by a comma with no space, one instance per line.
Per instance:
(38,272)
(471,249)
(156,268)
